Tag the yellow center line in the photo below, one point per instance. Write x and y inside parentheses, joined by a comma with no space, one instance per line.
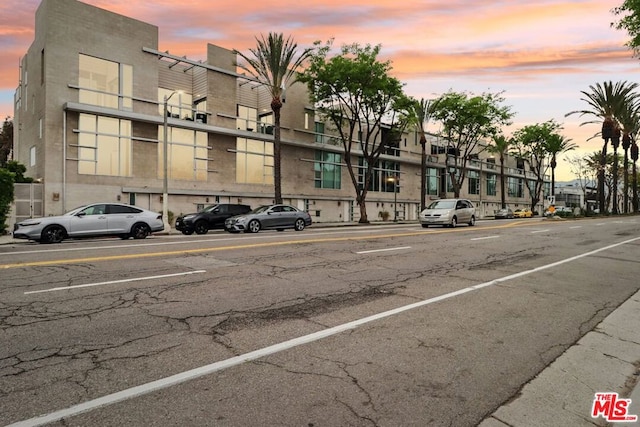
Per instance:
(244,246)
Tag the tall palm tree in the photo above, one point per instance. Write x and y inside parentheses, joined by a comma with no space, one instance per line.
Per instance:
(606,102)
(273,62)
(630,122)
(501,146)
(423,110)
(557,144)
(634,157)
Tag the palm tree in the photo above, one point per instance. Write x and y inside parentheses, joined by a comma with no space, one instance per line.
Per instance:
(501,146)
(634,157)
(557,144)
(423,110)
(607,101)
(273,63)
(630,122)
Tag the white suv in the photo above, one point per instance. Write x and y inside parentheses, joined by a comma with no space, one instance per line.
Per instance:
(448,212)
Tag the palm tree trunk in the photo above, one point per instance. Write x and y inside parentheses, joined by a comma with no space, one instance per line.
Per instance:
(625,208)
(635,188)
(423,174)
(615,181)
(276,106)
(503,196)
(603,162)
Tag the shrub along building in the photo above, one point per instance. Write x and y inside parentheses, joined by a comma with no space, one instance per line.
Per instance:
(98,102)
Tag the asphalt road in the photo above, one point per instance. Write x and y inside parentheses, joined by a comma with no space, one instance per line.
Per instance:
(361,326)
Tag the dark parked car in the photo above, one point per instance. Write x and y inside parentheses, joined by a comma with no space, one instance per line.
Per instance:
(278,217)
(97,219)
(503,213)
(209,218)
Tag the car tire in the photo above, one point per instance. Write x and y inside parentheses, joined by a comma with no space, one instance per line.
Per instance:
(53,234)
(299,224)
(140,230)
(472,221)
(187,232)
(454,222)
(201,227)
(253,226)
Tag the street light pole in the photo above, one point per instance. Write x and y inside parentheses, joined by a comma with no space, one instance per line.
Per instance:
(165,166)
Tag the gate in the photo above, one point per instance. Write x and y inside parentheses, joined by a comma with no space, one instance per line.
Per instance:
(28,201)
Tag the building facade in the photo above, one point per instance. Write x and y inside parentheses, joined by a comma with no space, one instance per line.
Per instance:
(99,106)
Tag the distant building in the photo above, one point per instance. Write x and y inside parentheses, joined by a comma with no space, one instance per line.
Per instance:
(89,124)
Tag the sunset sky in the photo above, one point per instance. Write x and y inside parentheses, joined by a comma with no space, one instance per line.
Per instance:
(541,53)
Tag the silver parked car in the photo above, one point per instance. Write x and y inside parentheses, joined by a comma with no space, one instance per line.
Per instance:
(278,217)
(448,212)
(97,219)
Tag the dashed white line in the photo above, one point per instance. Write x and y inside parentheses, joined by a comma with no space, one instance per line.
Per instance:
(540,231)
(486,237)
(384,250)
(276,348)
(136,279)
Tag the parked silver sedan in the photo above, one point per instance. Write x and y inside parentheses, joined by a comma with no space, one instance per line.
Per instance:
(448,212)
(97,219)
(275,217)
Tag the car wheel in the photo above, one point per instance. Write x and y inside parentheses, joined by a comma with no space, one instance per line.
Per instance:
(187,232)
(140,231)
(472,222)
(454,222)
(299,224)
(253,226)
(52,234)
(425,225)
(201,227)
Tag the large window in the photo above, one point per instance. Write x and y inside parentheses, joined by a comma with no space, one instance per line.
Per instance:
(254,161)
(382,172)
(247,118)
(105,83)
(432,181)
(491,184)
(327,169)
(473,180)
(104,146)
(188,154)
(179,104)
(515,187)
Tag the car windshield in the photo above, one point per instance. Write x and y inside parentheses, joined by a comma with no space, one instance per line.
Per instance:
(210,209)
(442,204)
(260,209)
(76,210)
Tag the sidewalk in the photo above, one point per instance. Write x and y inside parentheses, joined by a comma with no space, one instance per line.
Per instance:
(607,359)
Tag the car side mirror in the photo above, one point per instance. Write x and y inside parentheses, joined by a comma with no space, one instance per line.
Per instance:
(81,214)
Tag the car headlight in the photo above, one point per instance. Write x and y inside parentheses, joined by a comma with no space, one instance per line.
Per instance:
(28,224)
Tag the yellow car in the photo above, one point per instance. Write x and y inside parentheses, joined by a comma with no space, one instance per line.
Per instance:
(522,213)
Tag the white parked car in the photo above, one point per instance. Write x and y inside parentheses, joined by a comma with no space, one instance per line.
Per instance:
(448,212)
(97,219)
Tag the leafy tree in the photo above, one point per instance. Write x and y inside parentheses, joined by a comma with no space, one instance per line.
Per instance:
(531,143)
(354,92)
(275,63)
(6,141)
(629,13)
(6,197)
(18,170)
(466,120)
(501,146)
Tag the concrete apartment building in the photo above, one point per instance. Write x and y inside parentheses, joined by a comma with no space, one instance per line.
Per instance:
(90,120)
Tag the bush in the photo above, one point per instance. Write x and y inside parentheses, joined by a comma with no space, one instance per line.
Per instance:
(6,197)
(384,215)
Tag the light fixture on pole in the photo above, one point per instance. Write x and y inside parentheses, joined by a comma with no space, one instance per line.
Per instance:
(394,179)
(165,165)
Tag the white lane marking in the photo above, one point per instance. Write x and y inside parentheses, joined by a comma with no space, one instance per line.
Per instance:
(486,237)
(276,348)
(136,279)
(576,226)
(384,250)
(539,231)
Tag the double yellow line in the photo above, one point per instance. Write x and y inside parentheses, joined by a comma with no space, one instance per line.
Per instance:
(239,247)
